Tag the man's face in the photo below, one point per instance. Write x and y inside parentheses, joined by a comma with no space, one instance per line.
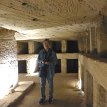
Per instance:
(46,45)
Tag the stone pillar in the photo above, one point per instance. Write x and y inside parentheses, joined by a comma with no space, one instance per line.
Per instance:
(28,66)
(8,61)
(93,40)
(98,33)
(102,98)
(81,76)
(64,46)
(80,44)
(63,65)
(85,44)
(88,43)
(31,47)
(64,61)
(88,88)
(79,71)
(95,93)
(101,42)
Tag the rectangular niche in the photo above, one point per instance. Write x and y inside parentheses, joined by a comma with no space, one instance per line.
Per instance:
(22,47)
(72,46)
(58,66)
(56,46)
(38,46)
(72,65)
(22,66)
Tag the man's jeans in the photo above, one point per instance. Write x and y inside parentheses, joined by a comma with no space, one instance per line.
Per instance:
(43,84)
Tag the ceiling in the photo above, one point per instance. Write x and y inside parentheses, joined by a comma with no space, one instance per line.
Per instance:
(38,19)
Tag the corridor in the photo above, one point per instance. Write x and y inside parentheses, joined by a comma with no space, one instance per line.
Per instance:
(77,31)
(65,92)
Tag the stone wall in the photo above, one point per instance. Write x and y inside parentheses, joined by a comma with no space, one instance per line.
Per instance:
(93,41)
(102,42)
(8,61)
(88,41)
(94,82)
(93,66)
(33,47)
(32,61)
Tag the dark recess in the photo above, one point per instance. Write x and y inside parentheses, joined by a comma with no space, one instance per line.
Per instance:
(72,46)
(72,65)
(22,47)
(56,46)
(22,67)
(58,66)
(39,47)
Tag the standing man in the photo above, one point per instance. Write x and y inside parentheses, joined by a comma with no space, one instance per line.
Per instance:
(47,60)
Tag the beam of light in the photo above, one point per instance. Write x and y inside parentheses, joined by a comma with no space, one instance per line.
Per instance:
(33,74)
(8,78)
(32,65)
(79,84)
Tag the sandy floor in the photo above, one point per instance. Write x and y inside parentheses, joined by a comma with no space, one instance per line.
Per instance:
(65,93)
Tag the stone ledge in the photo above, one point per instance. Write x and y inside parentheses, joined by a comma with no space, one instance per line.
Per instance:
(59,56)
(20,91)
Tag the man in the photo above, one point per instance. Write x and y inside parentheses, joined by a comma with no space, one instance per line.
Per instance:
(46,60)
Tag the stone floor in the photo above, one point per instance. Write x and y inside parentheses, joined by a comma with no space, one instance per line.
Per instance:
(17,94)
(65,92)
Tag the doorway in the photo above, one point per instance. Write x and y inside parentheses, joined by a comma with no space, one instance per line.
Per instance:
(22,66)
(72,65)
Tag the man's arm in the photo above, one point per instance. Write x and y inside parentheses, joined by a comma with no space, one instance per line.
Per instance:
(53,58)
(40,58)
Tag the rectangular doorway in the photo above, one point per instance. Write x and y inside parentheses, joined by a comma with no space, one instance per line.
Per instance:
(72,46)
(22,66)
(72,65)
(58,66)
(56,46)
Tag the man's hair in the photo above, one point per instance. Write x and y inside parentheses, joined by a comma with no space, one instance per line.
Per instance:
(47,40)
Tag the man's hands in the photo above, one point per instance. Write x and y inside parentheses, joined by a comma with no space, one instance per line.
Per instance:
(45,62)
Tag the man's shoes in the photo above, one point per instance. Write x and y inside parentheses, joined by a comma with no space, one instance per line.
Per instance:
(50,100)
(42,101)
